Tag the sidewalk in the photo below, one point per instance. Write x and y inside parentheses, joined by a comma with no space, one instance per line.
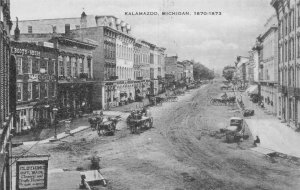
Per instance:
(77,125)
(50,132)
(273,134)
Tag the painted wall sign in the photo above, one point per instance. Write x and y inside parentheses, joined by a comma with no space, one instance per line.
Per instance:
(20,51)
(32,175)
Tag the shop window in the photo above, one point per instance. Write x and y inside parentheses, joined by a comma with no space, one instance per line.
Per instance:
(53,89)
(61,68)
(19,65)
(54,67)
(37,91)
(29,91)
(46,90)
(19,91)
(29,65)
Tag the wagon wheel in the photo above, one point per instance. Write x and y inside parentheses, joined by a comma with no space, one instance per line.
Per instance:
(151,122)
(230,137)
(137,128)
(101,130)
(147,124)
(112,128)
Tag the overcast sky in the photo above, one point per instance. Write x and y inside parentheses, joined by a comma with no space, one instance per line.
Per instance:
(214,41)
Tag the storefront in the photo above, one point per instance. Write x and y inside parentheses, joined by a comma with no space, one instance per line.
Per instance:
(154,87)
(269,97)
(118,93)
(36,84)
(74,98)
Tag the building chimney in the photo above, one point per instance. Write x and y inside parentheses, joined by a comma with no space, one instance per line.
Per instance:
(83,20)
(17,30)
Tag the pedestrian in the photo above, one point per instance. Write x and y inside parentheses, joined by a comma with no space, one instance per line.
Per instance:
(256,141)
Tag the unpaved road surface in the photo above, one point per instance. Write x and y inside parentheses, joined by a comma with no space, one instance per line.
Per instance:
(180,152)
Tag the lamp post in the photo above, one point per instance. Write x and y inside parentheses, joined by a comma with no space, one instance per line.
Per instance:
(54,117)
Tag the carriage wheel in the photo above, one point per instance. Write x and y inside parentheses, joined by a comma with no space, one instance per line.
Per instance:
(229,138)
(147,124)
(137,129)
(151,122)
(112,128)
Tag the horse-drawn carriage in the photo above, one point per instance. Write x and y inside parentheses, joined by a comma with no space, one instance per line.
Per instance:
(139,120)
(105,125)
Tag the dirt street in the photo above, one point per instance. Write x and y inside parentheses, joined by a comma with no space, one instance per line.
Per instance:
(182,151)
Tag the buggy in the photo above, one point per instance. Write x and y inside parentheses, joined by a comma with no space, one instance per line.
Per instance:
(105,125)
(139,120)
(235,130)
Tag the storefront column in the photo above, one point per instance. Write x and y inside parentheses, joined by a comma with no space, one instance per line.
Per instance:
(103,97)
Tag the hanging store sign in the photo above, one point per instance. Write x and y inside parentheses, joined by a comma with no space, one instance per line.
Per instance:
(20,51)
(32,175)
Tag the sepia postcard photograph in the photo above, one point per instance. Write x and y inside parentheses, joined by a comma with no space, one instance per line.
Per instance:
(149,94)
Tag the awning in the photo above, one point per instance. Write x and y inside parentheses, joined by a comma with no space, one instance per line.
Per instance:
(253,89)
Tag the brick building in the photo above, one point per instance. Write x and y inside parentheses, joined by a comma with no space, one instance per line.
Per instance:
(171,65)
(74,71)
(113,60)
(288,60)
(7,95)
(36,84)
(141,68)
(269,66)
(75,88)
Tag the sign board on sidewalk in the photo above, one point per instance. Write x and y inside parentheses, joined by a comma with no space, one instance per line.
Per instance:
(32,175)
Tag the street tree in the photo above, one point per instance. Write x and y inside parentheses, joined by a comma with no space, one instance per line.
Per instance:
(201,72)
(228,72)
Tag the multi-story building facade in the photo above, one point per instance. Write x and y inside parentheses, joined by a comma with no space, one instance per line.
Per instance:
(288,19)
(114,61)
(269,66)
(241,71)
(7,96)
(74,72)
(36,84)
(75,76)
(171,65)
(188,71)
(141,67)
(179,71)
(161,69)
